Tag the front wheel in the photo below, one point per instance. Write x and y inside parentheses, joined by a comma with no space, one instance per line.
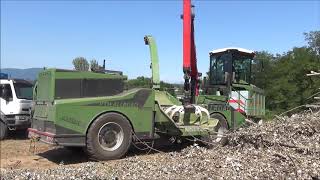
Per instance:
(219,136)
(3,130)
(109,137)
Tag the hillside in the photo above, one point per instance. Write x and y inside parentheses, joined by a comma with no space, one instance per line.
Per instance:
(29,73)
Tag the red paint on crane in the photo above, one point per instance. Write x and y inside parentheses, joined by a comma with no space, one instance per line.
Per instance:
(186,36)
(189,50)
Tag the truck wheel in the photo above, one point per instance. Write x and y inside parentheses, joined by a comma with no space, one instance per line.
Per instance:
(109,137)
(218,138)
(3,130)
(220,129)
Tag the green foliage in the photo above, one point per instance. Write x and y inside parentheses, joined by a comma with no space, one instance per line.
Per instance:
(313,39)
(94,65)
(262,68)
(80,64)
(170,88)
(145,82)
(283,77)
(139,82)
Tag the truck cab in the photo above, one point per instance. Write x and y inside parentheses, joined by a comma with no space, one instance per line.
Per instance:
(228,92)
(231,75)
(16,102)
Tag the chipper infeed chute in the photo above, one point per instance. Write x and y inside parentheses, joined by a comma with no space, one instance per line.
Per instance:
(183,120)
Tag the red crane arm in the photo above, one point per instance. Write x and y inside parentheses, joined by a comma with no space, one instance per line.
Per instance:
(189,52)
(186,36)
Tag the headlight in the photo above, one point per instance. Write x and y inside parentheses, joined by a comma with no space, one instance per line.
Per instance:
(21,117)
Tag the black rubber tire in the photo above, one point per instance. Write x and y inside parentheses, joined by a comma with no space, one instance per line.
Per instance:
(211,140)
(95,151)
(3,130)
(222,122)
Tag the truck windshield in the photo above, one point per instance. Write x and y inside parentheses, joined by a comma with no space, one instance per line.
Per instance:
(23,90)
(242,69)
(220,64)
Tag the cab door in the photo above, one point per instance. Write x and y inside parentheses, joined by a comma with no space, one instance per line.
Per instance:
(6,98)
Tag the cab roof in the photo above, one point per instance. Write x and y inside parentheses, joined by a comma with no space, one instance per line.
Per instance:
(16,81)
(217,51)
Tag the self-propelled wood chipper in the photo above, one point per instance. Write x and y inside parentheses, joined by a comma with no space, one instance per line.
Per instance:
(94,111)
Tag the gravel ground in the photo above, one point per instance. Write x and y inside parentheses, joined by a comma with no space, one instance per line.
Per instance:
(286,148)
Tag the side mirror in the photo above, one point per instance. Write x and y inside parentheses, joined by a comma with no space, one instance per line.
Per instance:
(204,82)
(5,94)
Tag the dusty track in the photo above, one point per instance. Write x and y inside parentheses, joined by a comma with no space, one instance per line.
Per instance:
(18,152)
(15,153)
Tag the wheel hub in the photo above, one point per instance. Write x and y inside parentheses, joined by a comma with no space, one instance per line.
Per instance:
(110,136)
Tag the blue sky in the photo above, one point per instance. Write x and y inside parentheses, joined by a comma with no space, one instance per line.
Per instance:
(52,33)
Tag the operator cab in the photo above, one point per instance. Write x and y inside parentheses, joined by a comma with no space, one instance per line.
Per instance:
(230,66)
(230,76)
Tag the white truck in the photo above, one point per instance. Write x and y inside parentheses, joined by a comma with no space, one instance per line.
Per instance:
(16,103)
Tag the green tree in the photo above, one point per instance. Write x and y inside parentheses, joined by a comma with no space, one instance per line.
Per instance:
(139,82)
(313,39)
(287,85)
(283,77)
(94,66)
(80,64)
(262,67)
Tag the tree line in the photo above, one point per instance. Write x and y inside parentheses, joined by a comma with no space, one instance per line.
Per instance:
(145,82)
(82,64)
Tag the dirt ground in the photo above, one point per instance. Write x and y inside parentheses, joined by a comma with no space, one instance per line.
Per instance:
(19,152)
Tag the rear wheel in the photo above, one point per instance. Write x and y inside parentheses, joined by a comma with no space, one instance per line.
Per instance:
(109,137)
(3,130)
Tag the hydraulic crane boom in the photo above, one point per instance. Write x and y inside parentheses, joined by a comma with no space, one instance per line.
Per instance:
(190,70)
